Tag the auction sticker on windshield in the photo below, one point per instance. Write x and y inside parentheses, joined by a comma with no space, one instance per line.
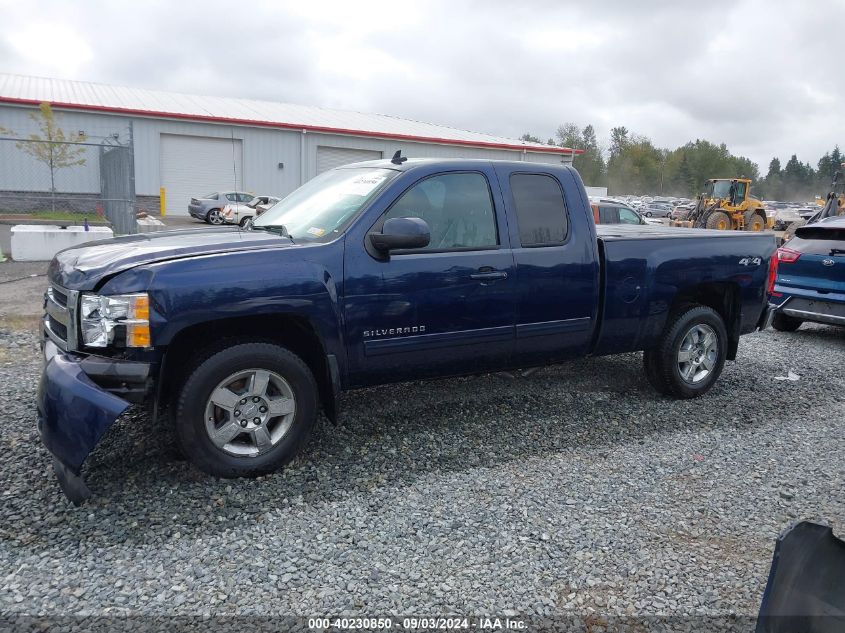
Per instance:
(362,185)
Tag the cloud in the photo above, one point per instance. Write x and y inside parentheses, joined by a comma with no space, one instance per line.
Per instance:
(762,77)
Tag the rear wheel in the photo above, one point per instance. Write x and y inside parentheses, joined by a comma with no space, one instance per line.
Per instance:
(246,410)
(647,214)
(214,217)
(754,221)
(783,323)
(718,220)
(690,353)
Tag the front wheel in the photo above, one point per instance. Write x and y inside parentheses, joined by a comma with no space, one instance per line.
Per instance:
(246,410)
(718,220)
(647,214)
(246,223)
(754,221)
(690,354)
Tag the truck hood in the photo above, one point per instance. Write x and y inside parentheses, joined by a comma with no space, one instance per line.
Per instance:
(83,267)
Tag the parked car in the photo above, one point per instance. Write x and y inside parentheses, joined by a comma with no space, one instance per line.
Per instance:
(810,281)
(244,214)
(613,212)
(657,210)
(209,208)
(368,274)
(681,211)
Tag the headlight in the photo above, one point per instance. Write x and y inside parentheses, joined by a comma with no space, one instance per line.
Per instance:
(122,320)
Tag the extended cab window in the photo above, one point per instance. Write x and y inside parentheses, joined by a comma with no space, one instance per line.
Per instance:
(540,211)
(457,208)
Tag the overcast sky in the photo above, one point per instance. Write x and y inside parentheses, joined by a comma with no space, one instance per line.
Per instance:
(767,78)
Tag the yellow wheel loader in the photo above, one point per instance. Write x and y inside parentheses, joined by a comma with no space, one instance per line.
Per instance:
(725,205)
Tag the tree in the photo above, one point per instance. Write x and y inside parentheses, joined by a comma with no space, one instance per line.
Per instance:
(569,135)
(52,146)
(590,164)
(618,140)
(634,164)
(828,165)
(530,138)
(686,179)
(798,179)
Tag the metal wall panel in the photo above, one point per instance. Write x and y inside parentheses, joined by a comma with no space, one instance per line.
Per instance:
(330,157)
(193,166)
(264,150)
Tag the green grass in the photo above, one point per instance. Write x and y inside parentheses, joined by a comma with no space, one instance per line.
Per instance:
(61,216)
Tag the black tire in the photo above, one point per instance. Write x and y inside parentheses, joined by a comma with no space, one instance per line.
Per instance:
(784,323)
(718,220)
(209,370)
(214,216)
(754,221)
(246,222)
(647,214)
(662,362)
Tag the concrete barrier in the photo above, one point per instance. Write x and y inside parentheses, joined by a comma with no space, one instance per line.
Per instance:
(148,225)
(37,243)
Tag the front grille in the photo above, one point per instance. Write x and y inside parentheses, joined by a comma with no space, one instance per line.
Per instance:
(58,328)
(59,296)
(60,316)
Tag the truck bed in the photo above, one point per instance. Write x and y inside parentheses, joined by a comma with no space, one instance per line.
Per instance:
(646,268)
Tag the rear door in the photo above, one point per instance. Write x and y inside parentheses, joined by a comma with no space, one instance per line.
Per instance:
(556,266)
(445,309)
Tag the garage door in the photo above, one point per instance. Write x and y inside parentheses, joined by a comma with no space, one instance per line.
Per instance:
(331,157)
(193,166)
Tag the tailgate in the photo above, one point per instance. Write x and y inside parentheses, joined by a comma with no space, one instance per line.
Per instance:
(814,259)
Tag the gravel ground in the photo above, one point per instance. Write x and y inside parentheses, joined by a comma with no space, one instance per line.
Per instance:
(573,491)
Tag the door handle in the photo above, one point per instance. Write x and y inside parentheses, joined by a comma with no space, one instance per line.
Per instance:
(491,275)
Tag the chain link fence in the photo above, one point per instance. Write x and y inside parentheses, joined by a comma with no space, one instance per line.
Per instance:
(61,176)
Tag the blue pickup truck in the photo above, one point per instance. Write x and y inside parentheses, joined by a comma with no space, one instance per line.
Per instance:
(373,273)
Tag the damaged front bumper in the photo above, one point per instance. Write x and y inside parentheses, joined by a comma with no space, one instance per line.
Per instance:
(74,411)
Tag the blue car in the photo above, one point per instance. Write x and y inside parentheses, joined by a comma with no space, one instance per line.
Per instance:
(810,282)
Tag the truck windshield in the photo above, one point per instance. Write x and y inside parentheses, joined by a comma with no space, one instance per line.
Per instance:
(322,208)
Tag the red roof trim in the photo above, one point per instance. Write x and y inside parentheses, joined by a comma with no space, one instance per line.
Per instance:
(292,126)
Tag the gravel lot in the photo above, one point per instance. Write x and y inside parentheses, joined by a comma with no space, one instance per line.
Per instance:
(577,489)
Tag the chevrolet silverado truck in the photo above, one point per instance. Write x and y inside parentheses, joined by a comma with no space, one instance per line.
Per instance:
(373,273)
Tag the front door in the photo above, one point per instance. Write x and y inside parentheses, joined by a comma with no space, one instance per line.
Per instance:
(448,308)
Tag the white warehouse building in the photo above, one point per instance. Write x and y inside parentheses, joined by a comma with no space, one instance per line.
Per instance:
(191,145)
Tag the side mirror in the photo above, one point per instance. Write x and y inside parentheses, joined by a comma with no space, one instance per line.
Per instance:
(400,233)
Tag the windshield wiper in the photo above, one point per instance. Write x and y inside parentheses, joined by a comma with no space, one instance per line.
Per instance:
(274,228)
